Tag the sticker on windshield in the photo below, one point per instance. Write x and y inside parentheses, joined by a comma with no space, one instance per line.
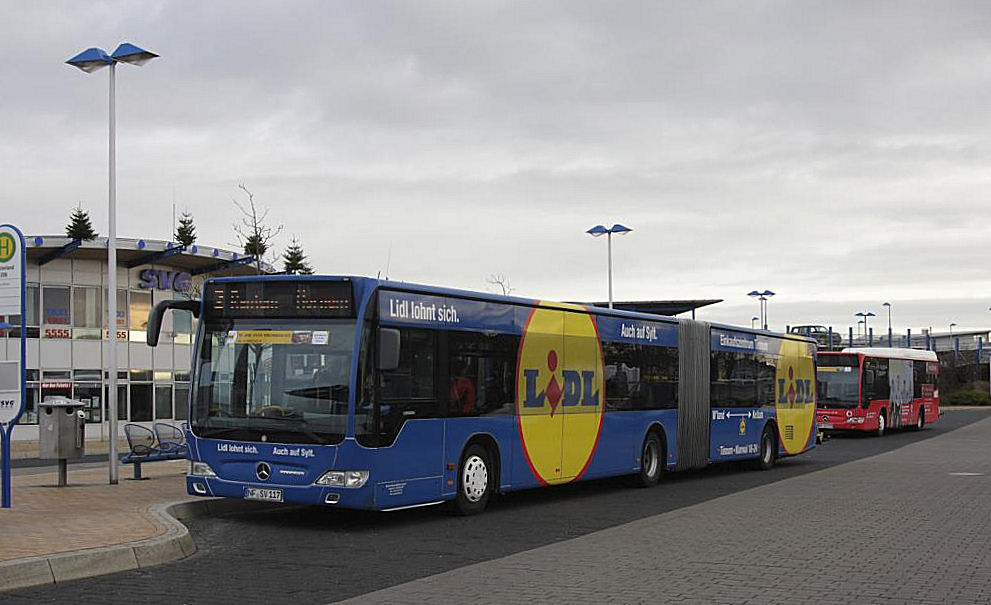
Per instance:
(321,337)
(263,337)
(301,337)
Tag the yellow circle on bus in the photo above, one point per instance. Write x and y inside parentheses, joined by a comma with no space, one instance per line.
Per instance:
(795,395)
(559,392)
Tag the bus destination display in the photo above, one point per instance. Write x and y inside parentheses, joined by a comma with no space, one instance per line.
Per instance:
(280,299)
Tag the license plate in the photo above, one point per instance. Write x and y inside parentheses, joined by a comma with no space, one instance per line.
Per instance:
(263,494)
(825,425)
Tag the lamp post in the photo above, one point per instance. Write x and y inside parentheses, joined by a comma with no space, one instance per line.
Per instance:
(890,334)
(598,231)
(762,297)
(91,60)
(865,315)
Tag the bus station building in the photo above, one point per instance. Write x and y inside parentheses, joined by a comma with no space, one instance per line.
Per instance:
(67,333)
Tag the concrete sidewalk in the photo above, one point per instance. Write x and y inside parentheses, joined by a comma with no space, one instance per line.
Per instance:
(89,527)
(908,526)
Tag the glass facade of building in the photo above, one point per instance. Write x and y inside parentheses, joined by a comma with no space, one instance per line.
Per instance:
(66,327)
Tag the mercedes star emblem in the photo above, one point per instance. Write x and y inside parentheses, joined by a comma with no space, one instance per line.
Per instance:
(263,471)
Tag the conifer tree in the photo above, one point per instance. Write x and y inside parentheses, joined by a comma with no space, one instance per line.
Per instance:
(79,226)
(294,260)
(185,233)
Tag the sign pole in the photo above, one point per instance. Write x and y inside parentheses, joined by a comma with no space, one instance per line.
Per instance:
(12,386)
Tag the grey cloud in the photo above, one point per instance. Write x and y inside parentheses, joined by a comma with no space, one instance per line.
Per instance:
(826,150)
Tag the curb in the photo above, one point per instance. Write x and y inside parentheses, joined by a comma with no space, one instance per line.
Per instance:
(173,544)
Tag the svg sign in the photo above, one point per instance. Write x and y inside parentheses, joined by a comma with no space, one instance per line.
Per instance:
(152,279)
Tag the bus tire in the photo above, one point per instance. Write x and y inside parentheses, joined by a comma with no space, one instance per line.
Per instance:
(651,461)
(881,424)
(768,450)
(920,420)
(475,475)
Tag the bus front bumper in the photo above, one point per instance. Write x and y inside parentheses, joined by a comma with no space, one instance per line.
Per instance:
(314,495)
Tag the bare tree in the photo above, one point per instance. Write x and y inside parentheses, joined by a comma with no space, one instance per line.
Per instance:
(501,281)
(253,233)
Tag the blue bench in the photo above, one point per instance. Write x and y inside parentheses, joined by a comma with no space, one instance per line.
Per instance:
(165,442)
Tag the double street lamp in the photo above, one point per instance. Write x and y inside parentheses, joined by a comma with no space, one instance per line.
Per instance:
(91,60)
(762,297)
(599,231)
(865,315)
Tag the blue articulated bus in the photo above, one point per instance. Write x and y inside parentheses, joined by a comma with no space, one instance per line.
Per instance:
(369,394)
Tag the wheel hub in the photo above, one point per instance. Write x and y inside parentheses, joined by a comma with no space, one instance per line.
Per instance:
(474,478)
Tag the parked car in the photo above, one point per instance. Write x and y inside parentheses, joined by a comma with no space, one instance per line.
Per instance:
(821,335)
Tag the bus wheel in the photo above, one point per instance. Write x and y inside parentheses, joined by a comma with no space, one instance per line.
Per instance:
(474,481)
(920,420)
(651,461)
(768,450)
(880,424)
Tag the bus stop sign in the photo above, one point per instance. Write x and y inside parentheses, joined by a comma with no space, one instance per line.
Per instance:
(11,370)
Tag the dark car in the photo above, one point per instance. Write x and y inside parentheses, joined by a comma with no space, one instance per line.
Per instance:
(821,335)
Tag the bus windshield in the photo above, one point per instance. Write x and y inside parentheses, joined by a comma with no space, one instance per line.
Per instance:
(284,382)
(838,381)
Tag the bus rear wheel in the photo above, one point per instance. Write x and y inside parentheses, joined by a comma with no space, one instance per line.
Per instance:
(651,461)
(920,420)
(881,424)
(474,481)
(768,450)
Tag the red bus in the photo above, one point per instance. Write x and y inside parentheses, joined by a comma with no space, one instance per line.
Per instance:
(876,389)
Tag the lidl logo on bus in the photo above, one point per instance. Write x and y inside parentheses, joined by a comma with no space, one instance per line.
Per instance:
(792,390)
(559,393)
(579,387)
(8,246)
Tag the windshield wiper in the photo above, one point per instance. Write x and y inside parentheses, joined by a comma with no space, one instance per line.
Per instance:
(295,419)
(210,432)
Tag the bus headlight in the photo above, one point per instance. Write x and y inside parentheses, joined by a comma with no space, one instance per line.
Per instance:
(200,469)
(352,479)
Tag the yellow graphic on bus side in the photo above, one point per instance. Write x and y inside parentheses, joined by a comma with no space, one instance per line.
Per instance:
(559,393)
(795,395)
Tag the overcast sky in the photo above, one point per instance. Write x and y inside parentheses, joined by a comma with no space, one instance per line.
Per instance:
(837,153)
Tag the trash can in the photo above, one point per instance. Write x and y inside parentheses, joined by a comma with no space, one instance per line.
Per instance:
(62,432)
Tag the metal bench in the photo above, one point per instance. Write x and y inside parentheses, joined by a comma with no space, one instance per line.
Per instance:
(165,442)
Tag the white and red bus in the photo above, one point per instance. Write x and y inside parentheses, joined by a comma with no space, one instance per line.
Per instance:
(875,389)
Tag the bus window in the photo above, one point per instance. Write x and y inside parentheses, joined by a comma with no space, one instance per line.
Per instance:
(394,396)
(640,377)
(918,378)
(767,370)
(876,385)
(482,373)
(733,380)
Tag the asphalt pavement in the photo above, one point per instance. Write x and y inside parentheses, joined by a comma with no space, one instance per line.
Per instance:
(318,555)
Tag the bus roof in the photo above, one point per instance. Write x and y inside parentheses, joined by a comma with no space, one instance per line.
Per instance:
(488,296)
(894,353)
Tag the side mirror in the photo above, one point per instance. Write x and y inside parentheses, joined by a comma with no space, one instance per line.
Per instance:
(158,312)
(388,349)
